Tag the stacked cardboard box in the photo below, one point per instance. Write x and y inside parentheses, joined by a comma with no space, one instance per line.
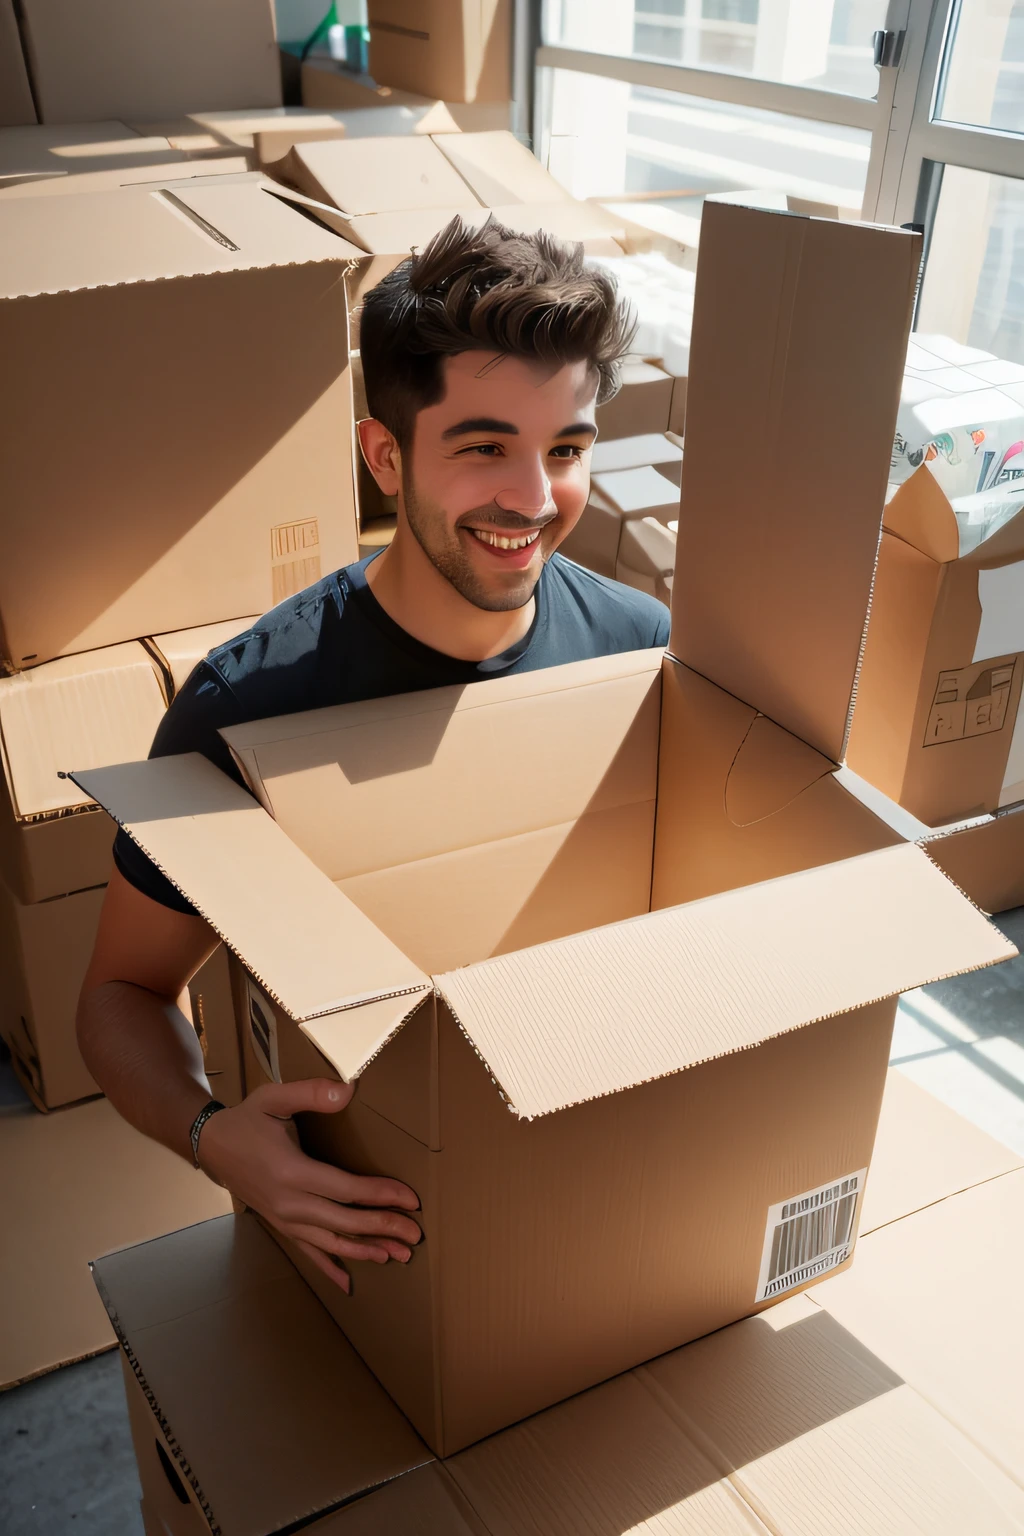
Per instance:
(434,57)
(101,59)
(661,960)
(938,724)
(55,849)
(877,1402)
(178,455)
(629,525)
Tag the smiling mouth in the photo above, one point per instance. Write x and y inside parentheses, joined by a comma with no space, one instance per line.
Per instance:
(505,540)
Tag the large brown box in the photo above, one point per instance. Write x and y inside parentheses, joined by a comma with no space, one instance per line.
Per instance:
(938,724)
(196,340)
(458,50)
(598,1026)
(118,59)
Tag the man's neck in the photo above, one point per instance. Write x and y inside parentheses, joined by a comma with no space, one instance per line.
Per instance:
(413,593)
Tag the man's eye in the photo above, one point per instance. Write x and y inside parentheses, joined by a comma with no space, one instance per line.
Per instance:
(567,451)
(489,450)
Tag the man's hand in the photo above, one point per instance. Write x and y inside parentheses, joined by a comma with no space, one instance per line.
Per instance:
(253,1150)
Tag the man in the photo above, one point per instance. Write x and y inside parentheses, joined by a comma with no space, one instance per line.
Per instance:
(483,359)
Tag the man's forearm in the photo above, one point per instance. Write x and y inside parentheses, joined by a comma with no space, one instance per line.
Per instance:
(146,1057)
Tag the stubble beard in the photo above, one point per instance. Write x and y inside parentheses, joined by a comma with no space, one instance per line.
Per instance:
(447,556)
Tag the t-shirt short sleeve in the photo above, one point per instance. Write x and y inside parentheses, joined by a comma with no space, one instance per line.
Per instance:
(191,724)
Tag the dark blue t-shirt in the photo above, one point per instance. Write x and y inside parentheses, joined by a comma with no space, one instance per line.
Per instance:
(334,644)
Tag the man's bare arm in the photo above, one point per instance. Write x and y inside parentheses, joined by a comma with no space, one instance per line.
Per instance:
(145,1055)
(135,1039)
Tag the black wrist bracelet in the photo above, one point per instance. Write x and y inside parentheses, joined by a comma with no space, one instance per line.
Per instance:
(200,1120)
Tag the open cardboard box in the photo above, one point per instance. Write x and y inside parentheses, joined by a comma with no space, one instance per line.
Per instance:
(391,195)
(938,724)
(598,942)
(195,337)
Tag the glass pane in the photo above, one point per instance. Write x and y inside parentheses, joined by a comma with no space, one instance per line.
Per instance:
(984,66)
(662,149)
(973,288)
(823,43)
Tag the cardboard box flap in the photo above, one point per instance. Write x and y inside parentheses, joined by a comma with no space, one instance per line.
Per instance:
(592,1014)
(498,169)
(352,1038)
(130,235)
(770,769)
(381,782)
(308,946)
(386,175)
(922,517)
(95,708)
(799,336)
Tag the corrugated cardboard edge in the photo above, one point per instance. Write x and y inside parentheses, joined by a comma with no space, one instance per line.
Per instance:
(339,1006)
(1010,953)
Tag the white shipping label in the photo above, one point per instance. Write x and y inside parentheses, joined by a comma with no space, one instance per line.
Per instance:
(263,1032)
(809,1235)
(1001,594)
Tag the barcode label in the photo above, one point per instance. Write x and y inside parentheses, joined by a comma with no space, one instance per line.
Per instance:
(809,1235)
(263,1033)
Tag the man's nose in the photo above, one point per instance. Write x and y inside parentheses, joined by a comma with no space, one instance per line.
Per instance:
(527,490)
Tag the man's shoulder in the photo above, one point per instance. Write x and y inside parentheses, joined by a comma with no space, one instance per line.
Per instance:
(617,615)
(287,637)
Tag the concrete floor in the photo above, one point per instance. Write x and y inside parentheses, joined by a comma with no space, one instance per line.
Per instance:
(66,1462)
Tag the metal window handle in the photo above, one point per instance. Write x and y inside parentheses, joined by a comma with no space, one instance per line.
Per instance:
(888,46)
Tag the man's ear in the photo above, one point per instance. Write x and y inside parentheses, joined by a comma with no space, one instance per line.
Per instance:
(382,454)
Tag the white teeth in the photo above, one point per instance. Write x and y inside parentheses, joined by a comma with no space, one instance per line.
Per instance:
(500,541)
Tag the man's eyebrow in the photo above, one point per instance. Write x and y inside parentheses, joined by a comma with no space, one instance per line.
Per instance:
(480,424)
(578,429)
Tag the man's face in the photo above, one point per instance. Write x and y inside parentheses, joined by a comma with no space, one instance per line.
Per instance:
(498,472)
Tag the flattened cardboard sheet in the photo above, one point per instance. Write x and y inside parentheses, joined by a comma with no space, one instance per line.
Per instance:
(79,1182)
(309,947)
(937,1297)
(662,992)
(774,567)
(925,1152)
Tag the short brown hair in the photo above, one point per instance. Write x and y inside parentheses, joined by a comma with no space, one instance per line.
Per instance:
(524,295)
